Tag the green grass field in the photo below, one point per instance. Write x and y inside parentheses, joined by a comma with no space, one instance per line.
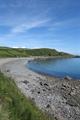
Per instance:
(14,105)
(20,52)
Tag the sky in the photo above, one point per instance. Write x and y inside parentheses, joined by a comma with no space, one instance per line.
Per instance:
(40,24)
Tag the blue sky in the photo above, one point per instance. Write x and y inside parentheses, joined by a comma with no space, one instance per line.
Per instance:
(41,24)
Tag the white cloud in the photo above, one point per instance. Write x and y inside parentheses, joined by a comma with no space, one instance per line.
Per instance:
(24,26)
(18,46)
(29,25)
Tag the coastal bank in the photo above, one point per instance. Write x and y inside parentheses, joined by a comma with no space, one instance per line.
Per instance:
(60,98)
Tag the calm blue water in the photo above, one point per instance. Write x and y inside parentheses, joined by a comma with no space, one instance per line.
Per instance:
(58,67)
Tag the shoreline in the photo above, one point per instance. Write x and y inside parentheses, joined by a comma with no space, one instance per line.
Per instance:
(50,94)
(49,75)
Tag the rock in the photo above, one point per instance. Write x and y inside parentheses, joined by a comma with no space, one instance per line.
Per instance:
(41,83)
(65,85)
(67,78)
(72,102)
(48,106)
(32,91)
(45,84)
(8,70)
(38,92)
(33,99)
(73,92)
(44,90)
(25,81)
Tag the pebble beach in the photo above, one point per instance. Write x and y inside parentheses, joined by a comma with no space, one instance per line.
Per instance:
(58,97)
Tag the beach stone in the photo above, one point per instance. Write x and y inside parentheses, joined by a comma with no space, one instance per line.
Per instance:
(67,78)
(25,81)
(44,90)
(7,70)
(41,83)
(71,102)
(48,106)
(33,99)
(73,93)
(32,91)
(45,84)
(38,92)
(65,85)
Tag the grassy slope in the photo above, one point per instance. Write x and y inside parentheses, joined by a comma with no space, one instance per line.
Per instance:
(10,52)
(14,105)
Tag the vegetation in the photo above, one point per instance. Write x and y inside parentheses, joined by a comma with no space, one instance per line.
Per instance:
(19,52)
(77,56)
(14,105)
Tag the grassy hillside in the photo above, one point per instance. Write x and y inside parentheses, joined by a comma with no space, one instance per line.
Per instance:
(13,105)
(19,52)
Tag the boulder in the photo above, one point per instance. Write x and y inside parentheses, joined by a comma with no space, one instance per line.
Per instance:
(41,83)
(45,84)
(25,81)
(48,106)
(7,70)
(38,92)
(67,78)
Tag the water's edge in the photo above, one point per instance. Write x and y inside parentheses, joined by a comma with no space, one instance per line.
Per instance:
(31,62)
